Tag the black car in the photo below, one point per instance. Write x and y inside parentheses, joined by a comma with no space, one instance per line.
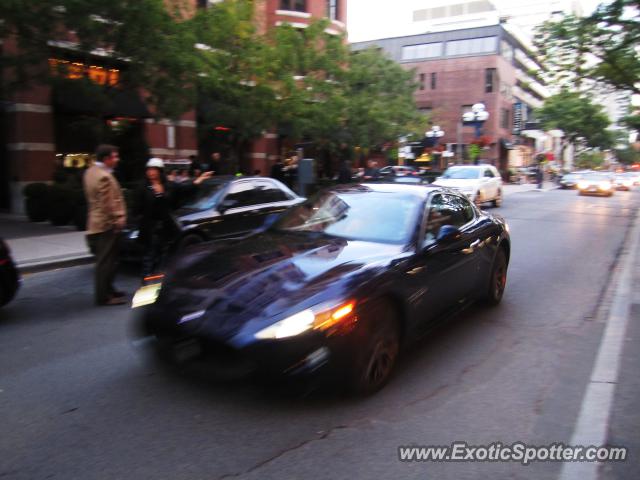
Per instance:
(9,276)
(336,285)
(223,207)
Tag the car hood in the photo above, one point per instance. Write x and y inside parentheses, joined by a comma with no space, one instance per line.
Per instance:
(265,278)
(462,184)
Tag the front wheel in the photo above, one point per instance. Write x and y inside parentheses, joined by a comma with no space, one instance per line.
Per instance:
(188,240)
(377,356)
(497,279)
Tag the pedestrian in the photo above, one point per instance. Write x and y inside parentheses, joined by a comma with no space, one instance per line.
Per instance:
(277,170)
(371,172)
(154,201)
(291,173)
(105,220)
(344,172)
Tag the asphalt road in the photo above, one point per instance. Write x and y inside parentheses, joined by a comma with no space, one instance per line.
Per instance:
(78,401)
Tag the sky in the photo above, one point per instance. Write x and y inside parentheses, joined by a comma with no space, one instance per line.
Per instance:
(366,18)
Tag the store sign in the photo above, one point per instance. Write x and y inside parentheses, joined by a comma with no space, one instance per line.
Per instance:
(517,118)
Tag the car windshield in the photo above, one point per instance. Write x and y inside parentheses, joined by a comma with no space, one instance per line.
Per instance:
(462,173)
(597,176)
(206,196)
(371,216)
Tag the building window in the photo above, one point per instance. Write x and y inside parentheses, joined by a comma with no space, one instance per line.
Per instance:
(434,77)
(293,5)
(506,50)
(332,9)
(504,118)
(422,81)
(77,70)
(472,46)
(489,80)
(425,50)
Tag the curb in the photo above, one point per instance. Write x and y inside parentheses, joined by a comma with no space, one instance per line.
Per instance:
(53,263)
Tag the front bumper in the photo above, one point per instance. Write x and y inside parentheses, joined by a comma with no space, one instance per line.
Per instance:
(310,355)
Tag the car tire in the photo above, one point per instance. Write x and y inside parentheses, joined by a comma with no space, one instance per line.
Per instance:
(188,240)
(497,279)
(376,358)
(497,202)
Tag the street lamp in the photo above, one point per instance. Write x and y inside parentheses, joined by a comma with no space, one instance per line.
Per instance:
(434,135)
(476,117)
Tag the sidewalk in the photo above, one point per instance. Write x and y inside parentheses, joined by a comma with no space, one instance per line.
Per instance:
(41,246)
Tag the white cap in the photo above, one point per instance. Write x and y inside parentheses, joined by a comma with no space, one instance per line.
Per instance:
(155,162)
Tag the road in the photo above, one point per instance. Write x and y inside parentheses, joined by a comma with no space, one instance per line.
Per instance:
(78,401)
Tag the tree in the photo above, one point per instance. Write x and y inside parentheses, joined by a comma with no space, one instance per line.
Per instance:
(379,100)
(149,44)
(590,160)
(233,77)
(581,121)
(601,47)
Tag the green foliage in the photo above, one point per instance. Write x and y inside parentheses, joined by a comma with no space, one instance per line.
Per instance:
(627,156)
(303,82)
(152,49)
(577,117)
(379,100)
(474,151)
(610,35)
(589,160)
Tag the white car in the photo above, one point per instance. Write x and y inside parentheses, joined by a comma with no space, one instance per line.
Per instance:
(481,183)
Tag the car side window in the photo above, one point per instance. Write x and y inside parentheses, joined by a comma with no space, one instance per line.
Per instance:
(443,210)
(241,194)
(268,192)
(488,173)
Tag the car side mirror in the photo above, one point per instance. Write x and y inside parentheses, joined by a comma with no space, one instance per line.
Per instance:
(448,233)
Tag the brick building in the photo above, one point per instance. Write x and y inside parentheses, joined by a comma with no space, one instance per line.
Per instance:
(42,126)
(455,69)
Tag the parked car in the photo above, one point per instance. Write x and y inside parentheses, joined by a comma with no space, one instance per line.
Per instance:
(596,183)
(335,287)
(623,182)
(223,207)
(408,179)
(569,180)
(9,276)
(481,183)
(397,171)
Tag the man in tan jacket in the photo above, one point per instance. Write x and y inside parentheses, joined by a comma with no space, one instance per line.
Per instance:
(106,218)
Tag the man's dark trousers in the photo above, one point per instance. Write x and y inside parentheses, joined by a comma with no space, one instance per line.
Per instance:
(106,247)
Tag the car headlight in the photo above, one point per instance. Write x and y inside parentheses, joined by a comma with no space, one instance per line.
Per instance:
(605,186)
(134,234)
(582,185)
(306,320)
(148,294)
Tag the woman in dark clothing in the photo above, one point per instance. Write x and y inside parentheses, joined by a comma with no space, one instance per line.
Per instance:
(153,204)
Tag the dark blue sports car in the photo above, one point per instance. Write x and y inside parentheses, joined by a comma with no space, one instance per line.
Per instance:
(337,285)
